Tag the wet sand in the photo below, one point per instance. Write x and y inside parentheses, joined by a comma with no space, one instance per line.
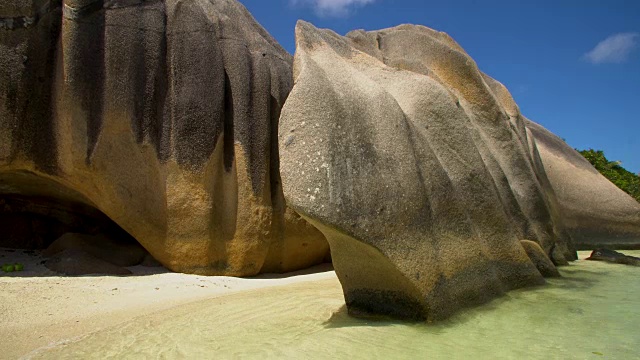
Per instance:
(590,313)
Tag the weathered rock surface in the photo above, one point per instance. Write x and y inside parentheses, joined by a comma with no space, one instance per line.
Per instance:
(419,170)
(539,258)
(594,211)
(161,115)
(614,257)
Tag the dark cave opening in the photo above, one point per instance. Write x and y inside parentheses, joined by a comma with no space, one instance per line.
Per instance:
(34,222)
(35,211)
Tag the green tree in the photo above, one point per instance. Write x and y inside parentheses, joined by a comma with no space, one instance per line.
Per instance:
(621,177)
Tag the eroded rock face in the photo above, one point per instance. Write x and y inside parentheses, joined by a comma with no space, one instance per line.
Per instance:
(419,170)
(539,258)
(595,212)
(162,115)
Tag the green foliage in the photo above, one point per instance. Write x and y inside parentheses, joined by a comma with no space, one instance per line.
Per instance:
(625,180)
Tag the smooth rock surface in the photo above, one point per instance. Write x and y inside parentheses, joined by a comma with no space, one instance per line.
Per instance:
(419,170)
(162,115)
(594,211)
(539,258)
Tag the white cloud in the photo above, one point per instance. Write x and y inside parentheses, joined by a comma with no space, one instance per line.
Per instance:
(614,49)
(332,7)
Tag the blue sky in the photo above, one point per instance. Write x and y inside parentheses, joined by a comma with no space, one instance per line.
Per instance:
(572,65)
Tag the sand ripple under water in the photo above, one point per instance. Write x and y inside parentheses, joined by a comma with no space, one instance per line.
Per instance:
(590,313)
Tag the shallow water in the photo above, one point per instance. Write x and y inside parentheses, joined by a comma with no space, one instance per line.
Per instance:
(592,312)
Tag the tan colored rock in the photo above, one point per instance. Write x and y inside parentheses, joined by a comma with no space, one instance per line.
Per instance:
(417,167)
(539,258)
(163,116)
(594,211)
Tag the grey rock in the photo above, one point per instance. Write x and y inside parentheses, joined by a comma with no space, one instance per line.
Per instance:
(419,170)
(595,212)
(614,257)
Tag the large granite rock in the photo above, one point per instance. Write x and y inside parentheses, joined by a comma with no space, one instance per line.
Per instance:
(160,114)
(419,170)
(595,211)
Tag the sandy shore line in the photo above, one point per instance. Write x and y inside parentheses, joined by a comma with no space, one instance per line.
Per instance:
(590,312)
(40,309)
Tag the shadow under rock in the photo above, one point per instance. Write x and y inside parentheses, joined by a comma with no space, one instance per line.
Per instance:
(342,319)
(33,262)
(316,269)
(573,278)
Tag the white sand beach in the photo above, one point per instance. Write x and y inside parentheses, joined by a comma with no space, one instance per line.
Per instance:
(591,312)
(40,309)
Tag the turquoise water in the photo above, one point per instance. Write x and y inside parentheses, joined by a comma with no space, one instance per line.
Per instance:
(592,312)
